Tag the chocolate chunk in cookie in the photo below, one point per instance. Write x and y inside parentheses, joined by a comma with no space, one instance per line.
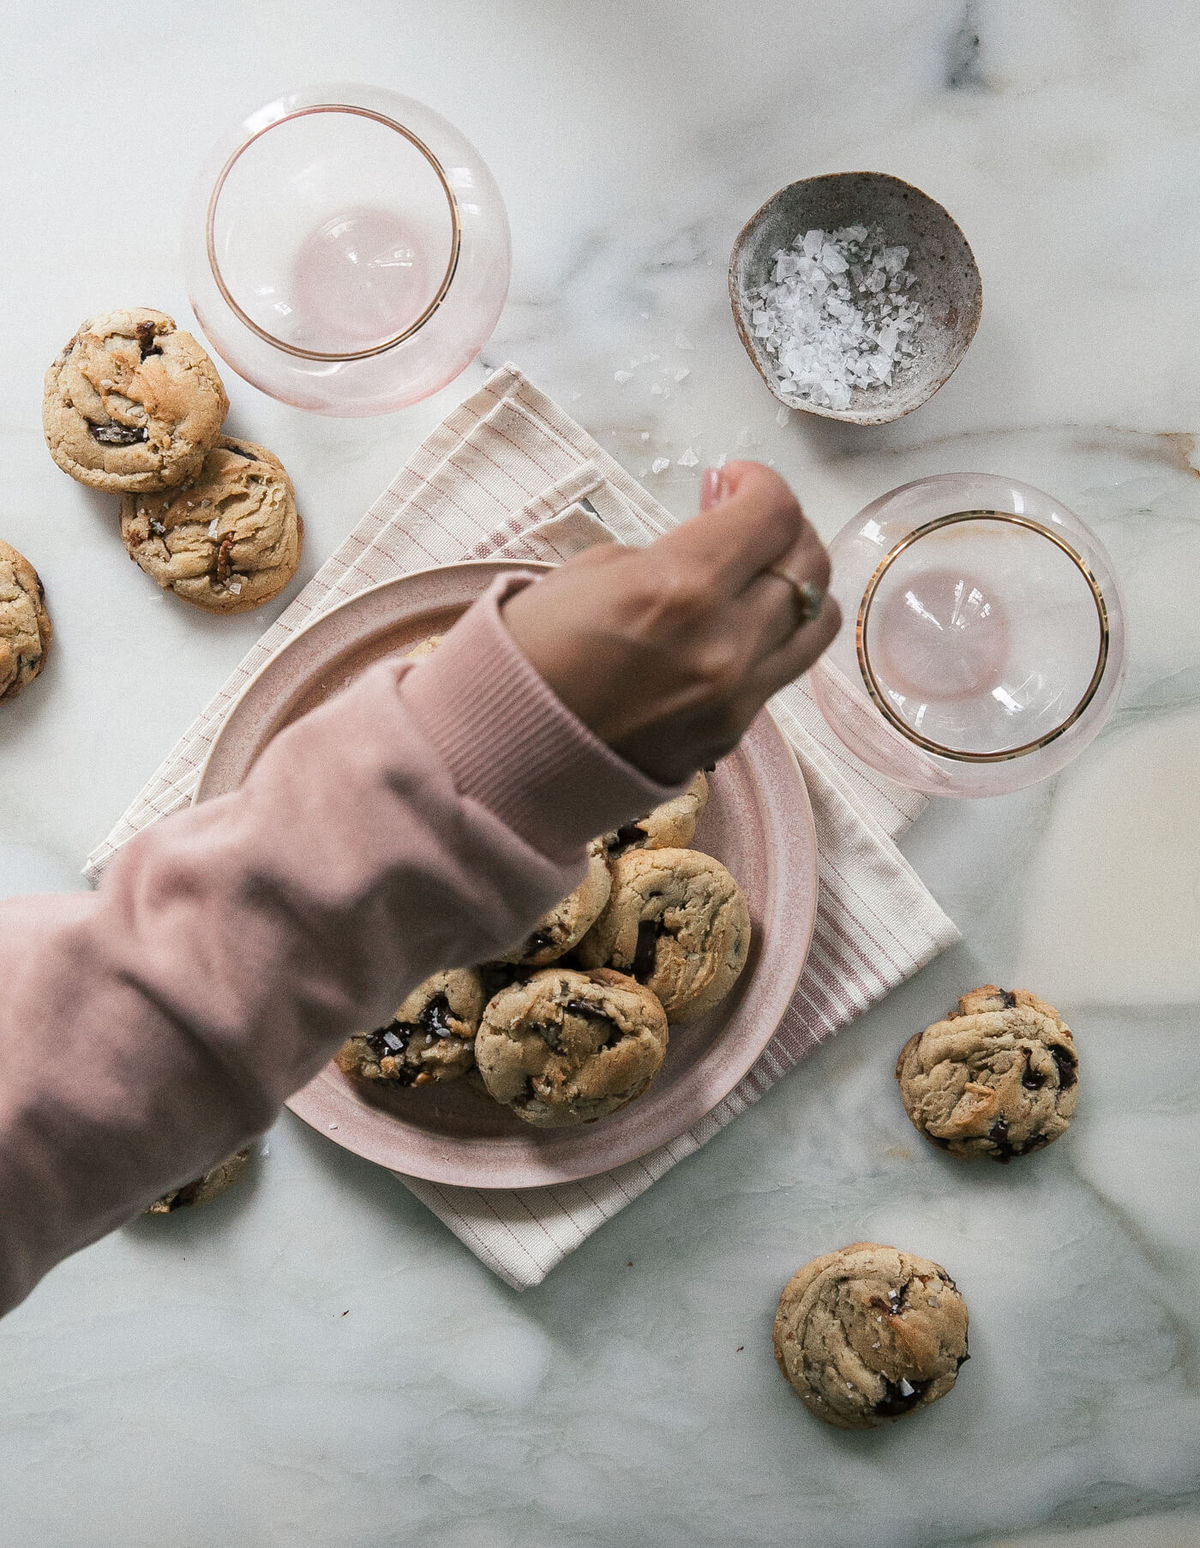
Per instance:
(998,1077)
(867,1334)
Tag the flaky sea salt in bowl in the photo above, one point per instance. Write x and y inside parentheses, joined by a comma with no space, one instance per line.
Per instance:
(855,295)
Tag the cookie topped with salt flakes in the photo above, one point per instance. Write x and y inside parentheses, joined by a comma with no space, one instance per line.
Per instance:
(227,542)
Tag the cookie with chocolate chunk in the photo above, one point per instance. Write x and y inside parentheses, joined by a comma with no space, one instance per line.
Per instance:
(228,541)
(25,628)
(669,826)
(565,1047)
(203,1188)
(430,1038)
(678,922)
(132,403)
(999,1077)
(563,926)
(867,1334)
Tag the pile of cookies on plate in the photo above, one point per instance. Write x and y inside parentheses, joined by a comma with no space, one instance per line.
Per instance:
(572,1023)
(135,407)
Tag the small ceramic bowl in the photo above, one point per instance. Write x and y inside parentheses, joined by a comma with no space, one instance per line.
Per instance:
(947,280)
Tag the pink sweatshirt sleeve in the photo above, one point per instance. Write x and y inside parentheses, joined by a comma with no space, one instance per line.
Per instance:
(423,819)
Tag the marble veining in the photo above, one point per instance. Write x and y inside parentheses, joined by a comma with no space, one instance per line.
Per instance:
(315,1360)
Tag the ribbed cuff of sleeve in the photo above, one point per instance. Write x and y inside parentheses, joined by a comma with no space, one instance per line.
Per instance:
(513,746)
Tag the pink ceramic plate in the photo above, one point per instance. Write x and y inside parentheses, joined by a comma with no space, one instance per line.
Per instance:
(758,822)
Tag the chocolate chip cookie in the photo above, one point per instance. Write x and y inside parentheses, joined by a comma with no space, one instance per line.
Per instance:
(430,1038)
(669,826)
(227,542)
(678,922)
(567,1047)
(563,926)
(203,1188)
(132,403)
(24,623)
(998,1077)
(867,1334)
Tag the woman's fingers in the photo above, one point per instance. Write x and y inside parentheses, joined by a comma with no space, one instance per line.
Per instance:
(780,599)
(798,652)
(757,521)
(668,652)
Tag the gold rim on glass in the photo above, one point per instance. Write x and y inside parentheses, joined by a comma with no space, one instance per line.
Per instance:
(443,287)
(880,698)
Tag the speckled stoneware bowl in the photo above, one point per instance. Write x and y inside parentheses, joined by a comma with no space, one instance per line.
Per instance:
(758,823)
(947,279)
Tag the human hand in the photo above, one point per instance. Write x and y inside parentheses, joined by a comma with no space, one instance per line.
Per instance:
(668,652)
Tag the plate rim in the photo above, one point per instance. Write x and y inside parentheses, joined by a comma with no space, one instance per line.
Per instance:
(321,621)
(309,1104)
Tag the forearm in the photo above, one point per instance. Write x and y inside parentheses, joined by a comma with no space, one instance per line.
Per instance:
(422,820)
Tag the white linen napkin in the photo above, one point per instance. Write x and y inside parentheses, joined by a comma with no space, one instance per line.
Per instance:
(508,474)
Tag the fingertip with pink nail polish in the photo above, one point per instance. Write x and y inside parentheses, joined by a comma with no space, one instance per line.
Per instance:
(712,487)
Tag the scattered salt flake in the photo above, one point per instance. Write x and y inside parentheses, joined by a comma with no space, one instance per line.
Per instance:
(660,464)
(235,587)
(747,437)
(622,376)
(689,459)
(212,526)
(645,435)
(645,316)
(681,373)
(720,462)
(683,342)
(782,415)
(575,397)
(333,1126)
(657,389)
(106,384)
(266,1150)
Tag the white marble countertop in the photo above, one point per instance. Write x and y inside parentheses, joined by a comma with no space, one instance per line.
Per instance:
(315,1360)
